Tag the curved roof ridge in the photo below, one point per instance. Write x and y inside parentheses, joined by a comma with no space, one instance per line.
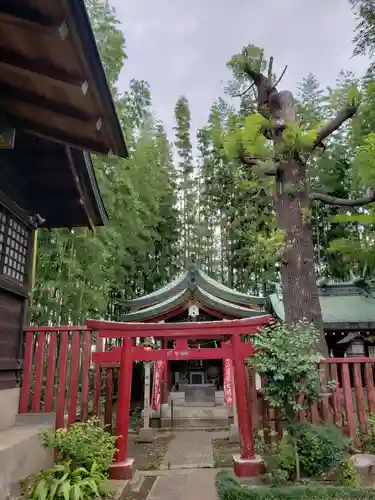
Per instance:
(156,309)
(161,294)
(224,306)
(226,293)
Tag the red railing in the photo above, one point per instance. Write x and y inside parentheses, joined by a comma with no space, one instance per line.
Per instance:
(58,375)
(348,405)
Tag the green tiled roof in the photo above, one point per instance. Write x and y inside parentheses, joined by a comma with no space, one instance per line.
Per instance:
(193,283)
(344,305)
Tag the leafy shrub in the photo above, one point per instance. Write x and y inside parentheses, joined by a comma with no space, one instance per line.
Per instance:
(287,356)
(348,473)
(83,444)
(64,482)
(229,488)
(281,467)
(367,440)
(321,448)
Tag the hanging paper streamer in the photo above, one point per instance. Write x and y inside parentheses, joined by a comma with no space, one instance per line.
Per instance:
(156,386)
(228,382)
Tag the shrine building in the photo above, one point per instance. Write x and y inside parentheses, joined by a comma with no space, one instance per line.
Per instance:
(193,297)
(348,310)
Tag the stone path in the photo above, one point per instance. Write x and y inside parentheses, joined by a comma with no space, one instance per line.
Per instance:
(185,485)
(187,471)
(191,450)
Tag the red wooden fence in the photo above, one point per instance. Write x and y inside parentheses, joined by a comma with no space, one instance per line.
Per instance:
(57,374)
(347,406)
(59,377)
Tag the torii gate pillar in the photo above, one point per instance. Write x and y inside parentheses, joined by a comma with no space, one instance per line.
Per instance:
(246,464)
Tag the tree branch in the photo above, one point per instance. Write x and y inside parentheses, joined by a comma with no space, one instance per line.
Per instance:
(281,76)
(343,202)
(241,94)
(342,116)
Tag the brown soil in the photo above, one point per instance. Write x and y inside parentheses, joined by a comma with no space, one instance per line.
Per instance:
(142,494)
(223,451)
(148,456)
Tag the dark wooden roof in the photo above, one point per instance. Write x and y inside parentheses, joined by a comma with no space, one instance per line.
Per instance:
(52,180)
(52,81)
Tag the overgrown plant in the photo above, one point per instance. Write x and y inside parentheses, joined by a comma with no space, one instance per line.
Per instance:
(348,473)
(83,444)
(287,356)
(66,482)
(367,439)
(281,467)
(321,448)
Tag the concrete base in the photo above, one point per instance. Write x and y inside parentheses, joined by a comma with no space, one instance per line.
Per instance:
(248,467)
(146,435)
(234,436)
(21,454)
(122,470)
(9,401)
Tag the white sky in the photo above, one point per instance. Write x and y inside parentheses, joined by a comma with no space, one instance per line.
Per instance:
(181,47)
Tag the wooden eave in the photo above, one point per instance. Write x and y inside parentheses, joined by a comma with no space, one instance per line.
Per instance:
(52,82)
(55,181)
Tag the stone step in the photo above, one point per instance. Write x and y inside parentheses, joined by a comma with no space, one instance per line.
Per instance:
(199,404)
(197,411)
(196,423)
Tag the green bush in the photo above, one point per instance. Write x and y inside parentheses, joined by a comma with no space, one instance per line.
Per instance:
(321,448)
(229,488)
(83,444)
(348,473)
(367,440)
(281,467)
(64,482)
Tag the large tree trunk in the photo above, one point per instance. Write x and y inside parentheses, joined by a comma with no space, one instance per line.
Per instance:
(299,282)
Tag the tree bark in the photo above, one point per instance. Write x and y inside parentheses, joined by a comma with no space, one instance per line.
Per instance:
(292,203)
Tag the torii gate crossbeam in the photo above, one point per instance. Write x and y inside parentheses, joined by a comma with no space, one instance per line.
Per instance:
(123,467)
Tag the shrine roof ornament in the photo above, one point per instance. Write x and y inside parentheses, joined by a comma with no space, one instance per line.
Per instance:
(195,285)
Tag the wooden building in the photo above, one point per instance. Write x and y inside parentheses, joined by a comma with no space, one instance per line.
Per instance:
(348,311)
(55,107)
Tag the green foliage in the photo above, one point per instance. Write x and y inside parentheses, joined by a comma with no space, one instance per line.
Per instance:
(251,56)
(287,356)
(66,482)
(229,488)
(83,274)
(321,448)
(354,97)
(367,439)
(83,444)
(297,140)
(365,30)
(281,467)
(348,473)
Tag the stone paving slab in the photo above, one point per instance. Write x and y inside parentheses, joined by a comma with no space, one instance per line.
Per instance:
(187,485)
(190,450)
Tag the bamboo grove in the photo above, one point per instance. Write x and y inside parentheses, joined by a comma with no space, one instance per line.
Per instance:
(181,197)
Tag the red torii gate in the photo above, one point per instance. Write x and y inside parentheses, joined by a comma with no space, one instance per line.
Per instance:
(247,464)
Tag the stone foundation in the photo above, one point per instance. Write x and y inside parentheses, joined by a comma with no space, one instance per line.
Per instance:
(21,452)
(9,401)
